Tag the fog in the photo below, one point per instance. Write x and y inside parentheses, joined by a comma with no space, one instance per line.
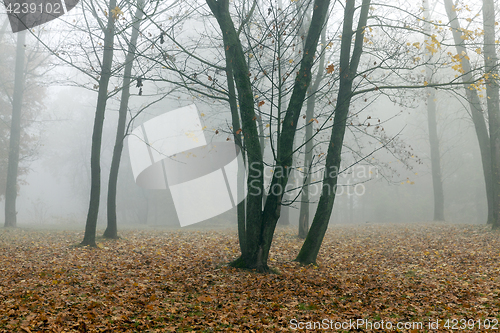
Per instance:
(386,174)
(57,186)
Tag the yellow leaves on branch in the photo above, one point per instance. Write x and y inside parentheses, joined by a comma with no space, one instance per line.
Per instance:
(330,68)
(116,12)
(433,45)
(480,84)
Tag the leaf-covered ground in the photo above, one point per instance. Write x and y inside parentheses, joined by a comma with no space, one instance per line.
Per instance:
(160,281)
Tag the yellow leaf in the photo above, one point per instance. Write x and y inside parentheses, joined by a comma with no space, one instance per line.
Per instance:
(116,12)
(290,61)
(425,83)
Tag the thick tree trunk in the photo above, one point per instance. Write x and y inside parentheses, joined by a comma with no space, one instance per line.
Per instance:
(492,93)
(348,69)
(15,134)
(477,113)
(260,225)
(112,228)
(437,181)
(95,157)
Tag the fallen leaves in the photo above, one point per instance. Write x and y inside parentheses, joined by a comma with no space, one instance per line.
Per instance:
(160,281)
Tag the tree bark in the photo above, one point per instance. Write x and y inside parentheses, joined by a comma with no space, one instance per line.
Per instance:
(15,134)
(112,228)
(476,110)
(437,181)
(348,69)
(492,93)
(95,157)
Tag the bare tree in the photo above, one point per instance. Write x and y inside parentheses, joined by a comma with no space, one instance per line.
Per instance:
(476,109)
(102,97)
(112,228)
(260,224)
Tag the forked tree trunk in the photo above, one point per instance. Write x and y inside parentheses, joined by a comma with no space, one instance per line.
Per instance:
(260,225)
(112,228)
(348,69)
(95,157)
(15,134)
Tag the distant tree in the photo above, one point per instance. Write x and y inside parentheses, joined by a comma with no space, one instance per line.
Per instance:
(492,101)
(15,133)
(437,181)
(476,109)
(308,148)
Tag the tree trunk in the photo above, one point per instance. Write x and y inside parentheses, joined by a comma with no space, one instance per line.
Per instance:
(304,204)
(260,225)
(348,69)
(437,181)
(112,228)
(477,113)
(238,139)
(491,75)
(15,134)
(95,157)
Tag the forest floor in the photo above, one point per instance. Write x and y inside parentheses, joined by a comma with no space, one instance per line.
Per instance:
(444,277)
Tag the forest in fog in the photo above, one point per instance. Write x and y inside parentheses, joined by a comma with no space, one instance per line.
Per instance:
(389,145)
(216,165)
